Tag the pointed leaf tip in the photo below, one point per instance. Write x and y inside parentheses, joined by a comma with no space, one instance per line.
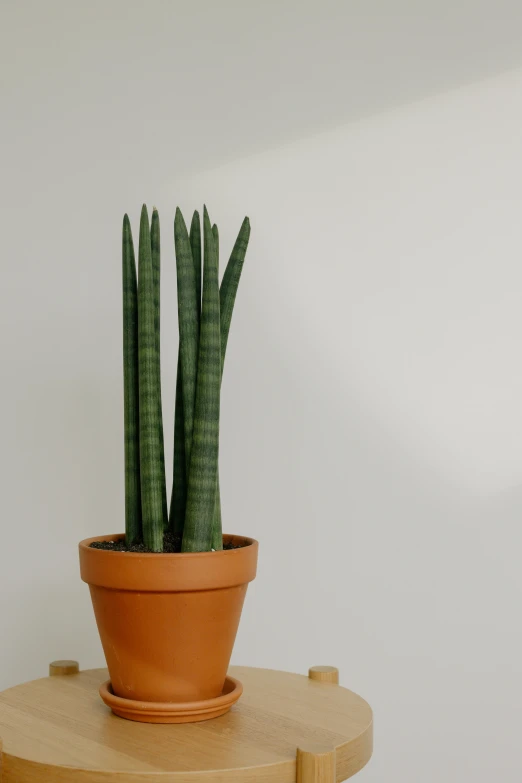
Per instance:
(179,219)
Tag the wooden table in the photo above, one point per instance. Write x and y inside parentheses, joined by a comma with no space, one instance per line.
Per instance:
(285,728)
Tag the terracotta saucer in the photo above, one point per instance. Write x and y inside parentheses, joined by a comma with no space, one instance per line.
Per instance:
(168,712)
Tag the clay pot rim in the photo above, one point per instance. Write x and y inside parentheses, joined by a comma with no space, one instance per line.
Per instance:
(168,571)
(86,544)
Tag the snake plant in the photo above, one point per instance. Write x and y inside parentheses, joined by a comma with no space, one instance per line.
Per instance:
(204,315)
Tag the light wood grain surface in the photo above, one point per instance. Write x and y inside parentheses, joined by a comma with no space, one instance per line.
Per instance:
(57,730)
(59,668)
(324,674)
(316,764)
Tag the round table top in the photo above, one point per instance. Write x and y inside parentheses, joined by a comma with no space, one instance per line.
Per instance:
(58,729)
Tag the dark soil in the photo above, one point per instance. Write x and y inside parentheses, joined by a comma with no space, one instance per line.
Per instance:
(171,544)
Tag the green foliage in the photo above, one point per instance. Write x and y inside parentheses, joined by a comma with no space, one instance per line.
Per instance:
(230,283)
(204,317)
(130,388)
(152,481)
(156,273)
(188,321)
(195,247)
(217,526)
(227,298)
(178,498)
(202,479)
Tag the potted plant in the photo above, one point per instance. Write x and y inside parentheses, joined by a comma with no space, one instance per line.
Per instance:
(168,594)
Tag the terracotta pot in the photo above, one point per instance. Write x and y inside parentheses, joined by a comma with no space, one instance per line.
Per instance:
(168,622)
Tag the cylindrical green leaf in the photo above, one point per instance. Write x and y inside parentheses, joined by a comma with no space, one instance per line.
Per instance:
(230,283)
(217,525)
(215,234)
(156,271)
(152,484)
(202,479)
(133,530)
(227,296)
(188,319)
(178,497)
(217,528)
(195,245)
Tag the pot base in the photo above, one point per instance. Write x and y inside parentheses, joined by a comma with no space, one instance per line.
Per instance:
(168,712)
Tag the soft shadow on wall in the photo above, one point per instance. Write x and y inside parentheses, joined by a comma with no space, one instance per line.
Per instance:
(377,438)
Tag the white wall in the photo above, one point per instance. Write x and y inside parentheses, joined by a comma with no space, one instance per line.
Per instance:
(372,423)
(372,428)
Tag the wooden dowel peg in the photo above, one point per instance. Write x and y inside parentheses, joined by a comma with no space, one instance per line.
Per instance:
(57,668)
(315,764)
(324,674)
